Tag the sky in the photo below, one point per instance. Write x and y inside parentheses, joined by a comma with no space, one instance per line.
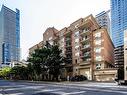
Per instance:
(37,15)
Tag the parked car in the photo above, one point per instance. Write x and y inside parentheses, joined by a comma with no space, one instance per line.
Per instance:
(78,78)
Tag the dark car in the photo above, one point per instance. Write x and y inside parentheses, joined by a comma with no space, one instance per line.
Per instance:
(79,78)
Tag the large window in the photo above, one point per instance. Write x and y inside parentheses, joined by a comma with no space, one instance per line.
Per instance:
(97,35)
(98,58)
(98,66)
(97,42)
(97,49)
(76,40)
(77,34)
(77,54)
(62,40)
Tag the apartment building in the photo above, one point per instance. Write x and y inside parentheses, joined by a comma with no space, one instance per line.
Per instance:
(50,35)
(92,50)
(87,47)
(37,46)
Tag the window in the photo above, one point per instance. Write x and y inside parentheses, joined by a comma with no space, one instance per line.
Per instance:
(76,26)
(97,50)
(98,34)
(98,58)
(77,54)
(77,34)
(86,30)
(98,42)
(61,33)
(76,46)
(62,40)
(98,66)
(77,40)
(50,38)
(76,61)
(85,38)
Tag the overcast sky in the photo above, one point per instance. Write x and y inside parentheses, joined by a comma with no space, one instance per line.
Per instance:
(37,15)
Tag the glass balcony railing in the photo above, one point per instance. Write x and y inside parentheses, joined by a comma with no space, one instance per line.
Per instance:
(86,59)
(87,55)
(86,46)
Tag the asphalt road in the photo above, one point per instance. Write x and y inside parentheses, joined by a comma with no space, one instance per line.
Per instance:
(66,88)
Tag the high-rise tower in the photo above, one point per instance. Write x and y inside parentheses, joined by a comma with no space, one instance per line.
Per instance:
(9,35)
(119,24)
(103,20)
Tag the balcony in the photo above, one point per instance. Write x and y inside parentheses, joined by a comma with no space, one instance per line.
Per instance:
(68,45)
(85,32)
(86,59)
(119,60)
(86,47)
(119,57)
(85,40)
(68,60)
(86,55)
(84,63)
(86,23)
(68,52)
(68,39)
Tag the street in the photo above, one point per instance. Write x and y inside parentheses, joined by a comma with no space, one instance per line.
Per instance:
(62,88)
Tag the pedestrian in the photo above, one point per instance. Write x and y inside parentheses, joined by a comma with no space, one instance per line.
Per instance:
(68,78)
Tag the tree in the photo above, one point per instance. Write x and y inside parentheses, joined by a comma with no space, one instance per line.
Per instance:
(4,72)
(55,61)
(47,60)
(19,72)
(38,61)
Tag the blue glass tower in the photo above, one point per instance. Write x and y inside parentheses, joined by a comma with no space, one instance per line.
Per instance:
(118,21)
(118,24)
(9,35)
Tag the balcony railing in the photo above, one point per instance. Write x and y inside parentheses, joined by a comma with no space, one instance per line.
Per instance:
(84,40)
(85,32)
(86,56)
(86,59)
(84,63)
(85,47)
(67,39)
(68,52)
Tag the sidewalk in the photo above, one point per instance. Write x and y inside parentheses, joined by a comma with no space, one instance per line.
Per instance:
(81,83)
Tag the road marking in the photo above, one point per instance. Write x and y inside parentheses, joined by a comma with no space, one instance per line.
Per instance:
(64,93)
(47,90)
(14,94)
(92,89)
(75,93)
(59,92)
(21,88)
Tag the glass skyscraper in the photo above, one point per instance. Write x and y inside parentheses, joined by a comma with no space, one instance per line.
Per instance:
(118,21)
(104,20)
(119,25)
(9,35)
